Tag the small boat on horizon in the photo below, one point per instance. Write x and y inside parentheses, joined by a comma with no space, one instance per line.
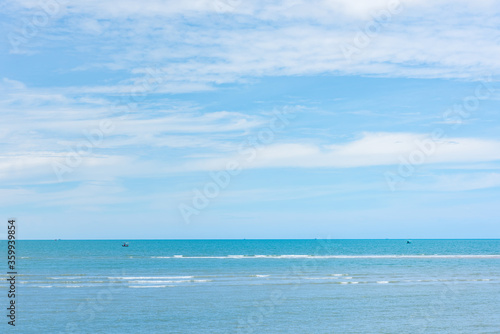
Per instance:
(125,244)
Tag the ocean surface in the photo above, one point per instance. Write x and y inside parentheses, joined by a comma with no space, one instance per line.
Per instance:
(255,286)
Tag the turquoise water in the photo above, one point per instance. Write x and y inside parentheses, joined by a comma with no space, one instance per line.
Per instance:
(256,286)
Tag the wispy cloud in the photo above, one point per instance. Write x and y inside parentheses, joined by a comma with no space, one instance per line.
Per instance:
(186,85)
(372,149)
(292,38)
(454,182)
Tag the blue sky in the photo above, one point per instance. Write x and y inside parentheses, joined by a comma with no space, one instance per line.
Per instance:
(340,119)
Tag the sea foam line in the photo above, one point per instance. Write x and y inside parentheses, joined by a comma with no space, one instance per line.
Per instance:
(156,282)
(169,281)
(435,256)
(150,286)
(151,277)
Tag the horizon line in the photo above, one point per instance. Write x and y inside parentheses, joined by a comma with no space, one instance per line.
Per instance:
(251,239)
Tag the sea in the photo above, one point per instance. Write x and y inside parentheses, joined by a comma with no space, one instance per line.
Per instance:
(254,286)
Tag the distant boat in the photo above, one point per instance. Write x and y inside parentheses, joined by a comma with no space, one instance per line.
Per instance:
(408,241)
(125,244)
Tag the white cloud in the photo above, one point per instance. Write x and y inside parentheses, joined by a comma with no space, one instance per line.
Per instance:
(454,182)
(372,149)
(276,9)
(8,84)
(36,119)
(196,48)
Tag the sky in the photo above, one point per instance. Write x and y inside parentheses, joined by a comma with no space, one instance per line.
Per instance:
(250,119)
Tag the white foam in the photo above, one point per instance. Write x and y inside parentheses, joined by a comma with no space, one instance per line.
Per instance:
(382,282)
(294,256)
(317,278)
(300,256)
(151,277)
(156,282)
(66,277)
(148,286)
